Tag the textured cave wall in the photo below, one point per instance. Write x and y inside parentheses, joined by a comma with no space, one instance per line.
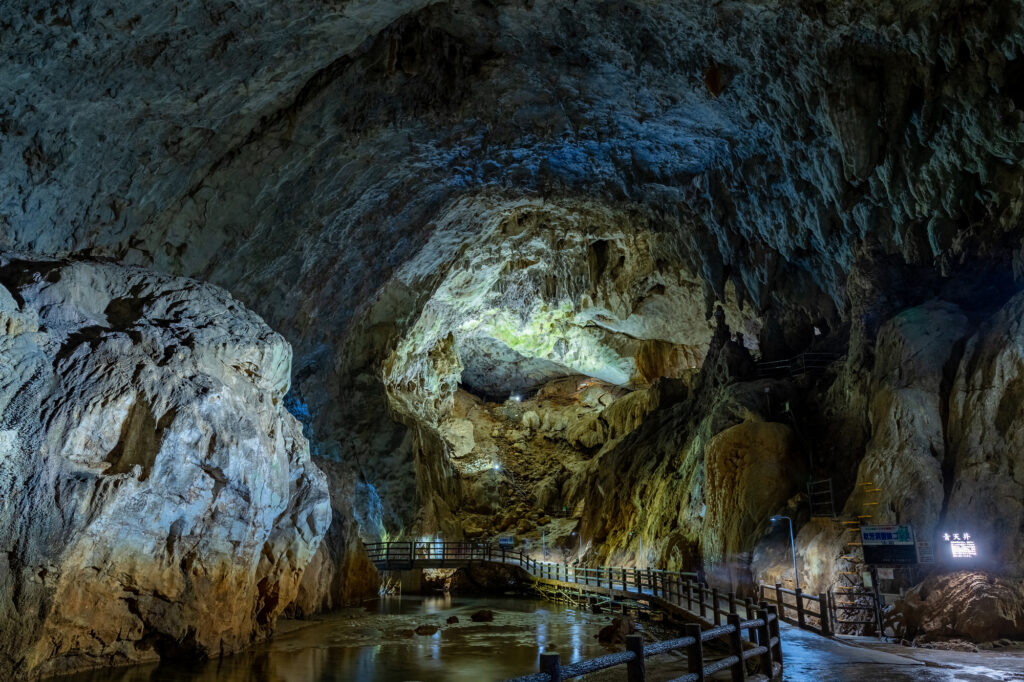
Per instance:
(693,485)
(298,155)
(157,499)
(340,573)
(327,163)
(938,412)
(564,289)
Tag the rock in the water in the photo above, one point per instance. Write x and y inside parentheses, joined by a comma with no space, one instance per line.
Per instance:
(616,633)
(452,620)
(158,499)
(426,630)
(482,616)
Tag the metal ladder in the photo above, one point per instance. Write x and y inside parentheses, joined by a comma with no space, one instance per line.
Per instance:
(819,496)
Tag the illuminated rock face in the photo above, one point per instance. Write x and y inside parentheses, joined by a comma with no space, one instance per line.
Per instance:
(968,604)
(157,498)
(987,433)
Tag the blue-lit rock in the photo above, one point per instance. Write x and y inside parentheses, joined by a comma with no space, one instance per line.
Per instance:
(157,498)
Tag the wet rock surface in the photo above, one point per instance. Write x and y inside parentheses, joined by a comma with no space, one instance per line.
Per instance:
(158,500)
(482,616)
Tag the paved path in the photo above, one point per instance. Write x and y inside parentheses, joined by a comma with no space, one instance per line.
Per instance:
(810,657)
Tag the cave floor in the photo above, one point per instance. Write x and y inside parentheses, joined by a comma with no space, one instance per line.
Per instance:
(810,657)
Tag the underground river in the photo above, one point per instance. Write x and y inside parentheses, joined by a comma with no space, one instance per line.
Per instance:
(377,643)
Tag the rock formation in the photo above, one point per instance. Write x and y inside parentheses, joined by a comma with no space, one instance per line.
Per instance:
(157,498)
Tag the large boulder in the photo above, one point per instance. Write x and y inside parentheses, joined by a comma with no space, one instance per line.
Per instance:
(971,604)
(157,498)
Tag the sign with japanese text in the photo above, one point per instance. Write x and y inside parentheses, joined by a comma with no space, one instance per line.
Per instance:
(889,544)
(961,545)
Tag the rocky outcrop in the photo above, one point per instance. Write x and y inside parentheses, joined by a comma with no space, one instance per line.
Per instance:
(158,499)
(986,430)
(749,470)
(975,605)
(915,351)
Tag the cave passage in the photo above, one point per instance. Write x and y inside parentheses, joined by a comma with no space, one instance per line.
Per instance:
(727,298)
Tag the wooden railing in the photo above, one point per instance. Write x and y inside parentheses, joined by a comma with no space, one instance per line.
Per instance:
(667,589)
(798,606)
(762,641)
(800,364)
(656,582)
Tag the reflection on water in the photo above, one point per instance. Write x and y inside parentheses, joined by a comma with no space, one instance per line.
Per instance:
(378,644)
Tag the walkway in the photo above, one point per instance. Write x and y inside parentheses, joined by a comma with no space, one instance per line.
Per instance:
(810,657)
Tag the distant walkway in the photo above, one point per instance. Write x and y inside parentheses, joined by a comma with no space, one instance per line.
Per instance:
(749,634)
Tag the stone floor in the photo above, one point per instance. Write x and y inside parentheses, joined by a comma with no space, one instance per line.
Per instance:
(810,657)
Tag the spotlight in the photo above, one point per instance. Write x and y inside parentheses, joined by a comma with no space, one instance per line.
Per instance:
(516,398)
(497,467)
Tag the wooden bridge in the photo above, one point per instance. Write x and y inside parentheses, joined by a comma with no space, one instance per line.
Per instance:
(750,631)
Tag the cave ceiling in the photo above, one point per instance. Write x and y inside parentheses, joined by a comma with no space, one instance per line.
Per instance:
(351,170)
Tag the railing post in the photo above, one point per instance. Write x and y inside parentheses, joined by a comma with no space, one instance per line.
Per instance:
(552,665)
(703,608)
(610,578)
(739,671)
(800,608)
(636,576)
(636,670)
(773,632)
(695,652)
(824,615)
(732,602)
(714,606)
(779,602)
(650,579)
(689,595)
(625,587)
(764,638)
(749,603)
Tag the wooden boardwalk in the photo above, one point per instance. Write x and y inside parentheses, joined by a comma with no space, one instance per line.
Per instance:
(751,631)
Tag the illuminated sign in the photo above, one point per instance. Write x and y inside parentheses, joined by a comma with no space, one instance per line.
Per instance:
(961,545)
(889,545)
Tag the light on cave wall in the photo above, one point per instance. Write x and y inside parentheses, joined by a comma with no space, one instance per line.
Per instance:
(961,545)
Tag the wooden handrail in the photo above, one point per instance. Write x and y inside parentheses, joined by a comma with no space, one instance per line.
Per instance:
(673,587)
(764,643)
(823,613)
